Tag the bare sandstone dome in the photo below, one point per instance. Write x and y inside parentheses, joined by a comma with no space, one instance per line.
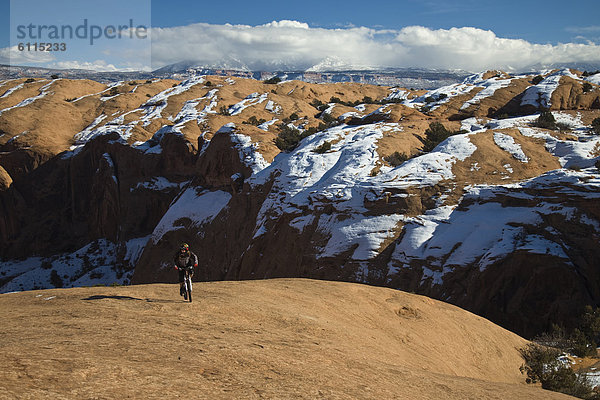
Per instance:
(273,339)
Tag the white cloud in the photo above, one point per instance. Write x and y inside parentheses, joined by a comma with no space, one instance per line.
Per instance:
(296,45)
(584,29)
(477,49)
(14,56)
(266,46)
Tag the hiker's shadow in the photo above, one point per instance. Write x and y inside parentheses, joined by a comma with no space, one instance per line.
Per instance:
(115,297)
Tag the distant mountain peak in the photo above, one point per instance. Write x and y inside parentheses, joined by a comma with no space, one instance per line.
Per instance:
(228,63)
(334,63)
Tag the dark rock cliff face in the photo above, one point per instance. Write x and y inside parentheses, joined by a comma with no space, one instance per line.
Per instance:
(220,245)
(18,162)
(97,193)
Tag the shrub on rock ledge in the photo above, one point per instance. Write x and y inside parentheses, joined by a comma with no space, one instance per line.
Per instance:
(289,137)
(546,120)
(435,134)
(396,158)
(596,126)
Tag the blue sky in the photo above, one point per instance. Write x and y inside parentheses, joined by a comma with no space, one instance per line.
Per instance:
(535,22)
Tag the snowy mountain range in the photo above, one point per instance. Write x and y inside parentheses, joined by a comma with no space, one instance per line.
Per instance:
(327,71)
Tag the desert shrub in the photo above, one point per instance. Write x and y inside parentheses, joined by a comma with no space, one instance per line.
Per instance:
(70,99)
(208,83)
(580,345)
(365,100)
(148,95)
(311,131)
(46,264)
(224,110)
(55,279)
(587,87)
(539,362)
(596,126)
(293,116)
(546,120)
(387,101)
(288,138)
(583,338)
(29,80)
(435,134)
(431,99)
(589,324)
(324,148)
(568,382)
(148,80)
(112,92)
(597,164)
(564,127)
(542,365)
(537,79)
(54,76)
(328,119)
(316,103)
(254,121)
(557,338)
(396,158)
(272,81)
(322,107)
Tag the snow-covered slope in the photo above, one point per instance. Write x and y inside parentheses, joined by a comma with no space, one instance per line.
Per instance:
(93,264)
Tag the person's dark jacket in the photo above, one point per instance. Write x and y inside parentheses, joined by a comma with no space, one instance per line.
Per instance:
(185,261)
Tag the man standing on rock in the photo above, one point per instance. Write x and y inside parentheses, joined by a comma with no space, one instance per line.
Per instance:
(184,259)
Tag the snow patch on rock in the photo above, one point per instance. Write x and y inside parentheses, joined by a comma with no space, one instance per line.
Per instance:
(508,144)
(191,209)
